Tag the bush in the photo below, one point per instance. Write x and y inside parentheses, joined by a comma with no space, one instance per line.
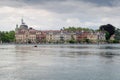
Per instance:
(113,41)
(72,41)
(87,40)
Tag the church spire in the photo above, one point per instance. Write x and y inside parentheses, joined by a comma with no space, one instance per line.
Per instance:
(22,22)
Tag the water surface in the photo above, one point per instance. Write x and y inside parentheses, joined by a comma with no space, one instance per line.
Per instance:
(60,62)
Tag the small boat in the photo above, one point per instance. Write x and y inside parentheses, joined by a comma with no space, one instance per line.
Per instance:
(35,46)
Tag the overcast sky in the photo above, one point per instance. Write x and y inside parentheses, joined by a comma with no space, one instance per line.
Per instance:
(55,14)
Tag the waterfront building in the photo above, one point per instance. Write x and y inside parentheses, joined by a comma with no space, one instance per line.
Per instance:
(95,37)
(23,34)
(59,36)
(40,37)
(81,36)
(52,36)
(112,37)
(101,35)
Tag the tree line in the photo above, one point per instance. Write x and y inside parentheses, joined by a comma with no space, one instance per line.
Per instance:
(77,29)
(7,36)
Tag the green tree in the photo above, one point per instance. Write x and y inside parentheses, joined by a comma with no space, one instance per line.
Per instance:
(117,34)
(107,35)
(7,36)
(77,29)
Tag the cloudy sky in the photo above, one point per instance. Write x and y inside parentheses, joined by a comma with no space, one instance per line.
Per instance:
(55,14)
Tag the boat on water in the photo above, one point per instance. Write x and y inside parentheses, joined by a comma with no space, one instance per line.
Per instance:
(35,46)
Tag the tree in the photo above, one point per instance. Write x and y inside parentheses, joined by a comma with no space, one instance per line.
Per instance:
(107,35)
(7,36)
(117,34)
(77,29)
(110,30)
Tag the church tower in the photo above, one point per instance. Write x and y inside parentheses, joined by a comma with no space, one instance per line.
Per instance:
(23,25)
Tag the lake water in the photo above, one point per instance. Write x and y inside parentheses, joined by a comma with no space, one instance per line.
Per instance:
(60,62)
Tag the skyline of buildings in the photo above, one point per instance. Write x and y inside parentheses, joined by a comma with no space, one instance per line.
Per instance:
(25,34)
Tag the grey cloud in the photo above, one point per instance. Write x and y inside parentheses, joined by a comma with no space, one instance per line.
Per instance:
(60,6)
(97,2)
(71,8)
(86,11)
(101,2)
(39,2)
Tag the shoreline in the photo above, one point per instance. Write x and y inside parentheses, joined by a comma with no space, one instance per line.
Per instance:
(60,44)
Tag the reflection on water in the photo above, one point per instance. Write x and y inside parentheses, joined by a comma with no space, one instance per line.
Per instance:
(60,62)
